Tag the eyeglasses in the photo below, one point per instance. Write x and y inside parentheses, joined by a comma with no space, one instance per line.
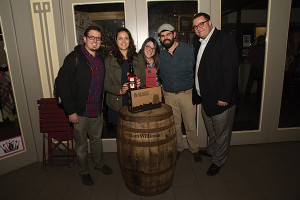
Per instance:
(200,25)
(93,38)
(149,48)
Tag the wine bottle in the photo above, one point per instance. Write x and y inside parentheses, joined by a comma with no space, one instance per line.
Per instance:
(131,78)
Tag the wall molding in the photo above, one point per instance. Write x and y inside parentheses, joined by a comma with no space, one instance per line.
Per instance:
(45,42)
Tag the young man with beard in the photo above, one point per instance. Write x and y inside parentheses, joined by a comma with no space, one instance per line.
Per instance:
(80,84)
(177,76)
(216,78)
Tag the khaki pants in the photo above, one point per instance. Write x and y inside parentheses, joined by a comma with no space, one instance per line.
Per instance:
(183,108)
(92,128)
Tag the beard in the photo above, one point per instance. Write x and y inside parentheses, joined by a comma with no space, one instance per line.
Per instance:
(167,45)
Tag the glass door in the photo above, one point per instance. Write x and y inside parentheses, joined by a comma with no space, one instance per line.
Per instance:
(109,16)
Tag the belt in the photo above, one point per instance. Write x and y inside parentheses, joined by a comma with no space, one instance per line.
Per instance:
(178,92)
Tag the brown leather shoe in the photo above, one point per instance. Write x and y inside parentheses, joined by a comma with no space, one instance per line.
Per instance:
(86,179)
(197,156)
(105,170)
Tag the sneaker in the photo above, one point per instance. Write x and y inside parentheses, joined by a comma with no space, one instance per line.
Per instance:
(197,156)
(105,170)
(86,179)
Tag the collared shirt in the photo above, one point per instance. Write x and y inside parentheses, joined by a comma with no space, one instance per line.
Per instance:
(94,103)
(177,71)
(199,55)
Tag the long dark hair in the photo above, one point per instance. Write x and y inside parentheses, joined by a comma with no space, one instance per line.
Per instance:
(131,49)
(155,56)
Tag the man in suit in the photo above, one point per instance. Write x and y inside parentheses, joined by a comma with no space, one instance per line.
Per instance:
(216,76)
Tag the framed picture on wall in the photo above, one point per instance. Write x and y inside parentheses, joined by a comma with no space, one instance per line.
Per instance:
(246,40)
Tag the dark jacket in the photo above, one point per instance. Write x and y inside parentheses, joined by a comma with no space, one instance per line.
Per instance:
(218,73)
(73,81)
(113,75)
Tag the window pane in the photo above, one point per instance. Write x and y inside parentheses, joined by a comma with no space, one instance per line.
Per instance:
(177,13)
(110,17)
(246,22)
(290,109)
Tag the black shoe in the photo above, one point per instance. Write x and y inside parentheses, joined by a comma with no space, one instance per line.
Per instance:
(105,170)
(213,170)
(86,179)
(204,153)
(197,156)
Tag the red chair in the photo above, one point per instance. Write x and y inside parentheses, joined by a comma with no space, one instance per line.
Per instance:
(58,133)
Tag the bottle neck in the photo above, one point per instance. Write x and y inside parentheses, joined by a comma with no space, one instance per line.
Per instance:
(131,71)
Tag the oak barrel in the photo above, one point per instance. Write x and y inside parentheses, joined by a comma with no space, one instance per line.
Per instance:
(147,150)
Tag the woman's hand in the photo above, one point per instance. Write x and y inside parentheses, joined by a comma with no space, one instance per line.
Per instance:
(124,89)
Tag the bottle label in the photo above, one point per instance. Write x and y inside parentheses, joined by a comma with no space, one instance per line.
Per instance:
(132,82)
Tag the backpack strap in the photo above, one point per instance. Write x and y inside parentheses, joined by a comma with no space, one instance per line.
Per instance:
(76,65)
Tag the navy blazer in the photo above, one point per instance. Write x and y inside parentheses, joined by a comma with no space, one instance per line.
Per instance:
(218,73)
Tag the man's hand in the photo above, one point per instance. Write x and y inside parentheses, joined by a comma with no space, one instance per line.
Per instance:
(73,118)
(222,103)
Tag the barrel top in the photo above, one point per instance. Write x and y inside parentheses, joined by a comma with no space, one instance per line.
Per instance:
(164,109)
(164,112)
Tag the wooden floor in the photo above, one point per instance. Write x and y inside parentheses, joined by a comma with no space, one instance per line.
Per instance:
(253,172)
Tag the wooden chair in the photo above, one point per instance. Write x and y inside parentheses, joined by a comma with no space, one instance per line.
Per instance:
(58,134)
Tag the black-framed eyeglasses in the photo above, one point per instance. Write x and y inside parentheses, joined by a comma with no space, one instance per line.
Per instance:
(200,25)
(93,38)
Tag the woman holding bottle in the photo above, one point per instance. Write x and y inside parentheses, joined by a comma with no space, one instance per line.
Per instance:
(117,66)
(150,54)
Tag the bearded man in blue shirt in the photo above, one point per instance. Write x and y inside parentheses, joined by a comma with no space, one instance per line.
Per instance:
(177,75)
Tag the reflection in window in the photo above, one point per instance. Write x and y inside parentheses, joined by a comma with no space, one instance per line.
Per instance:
(246,22)
(177,13)
(11,140)
(290,109)
(109,16)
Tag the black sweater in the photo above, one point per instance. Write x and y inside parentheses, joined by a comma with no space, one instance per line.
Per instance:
(73,81)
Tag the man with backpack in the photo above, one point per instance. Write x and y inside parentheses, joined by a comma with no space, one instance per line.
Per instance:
(80,86)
